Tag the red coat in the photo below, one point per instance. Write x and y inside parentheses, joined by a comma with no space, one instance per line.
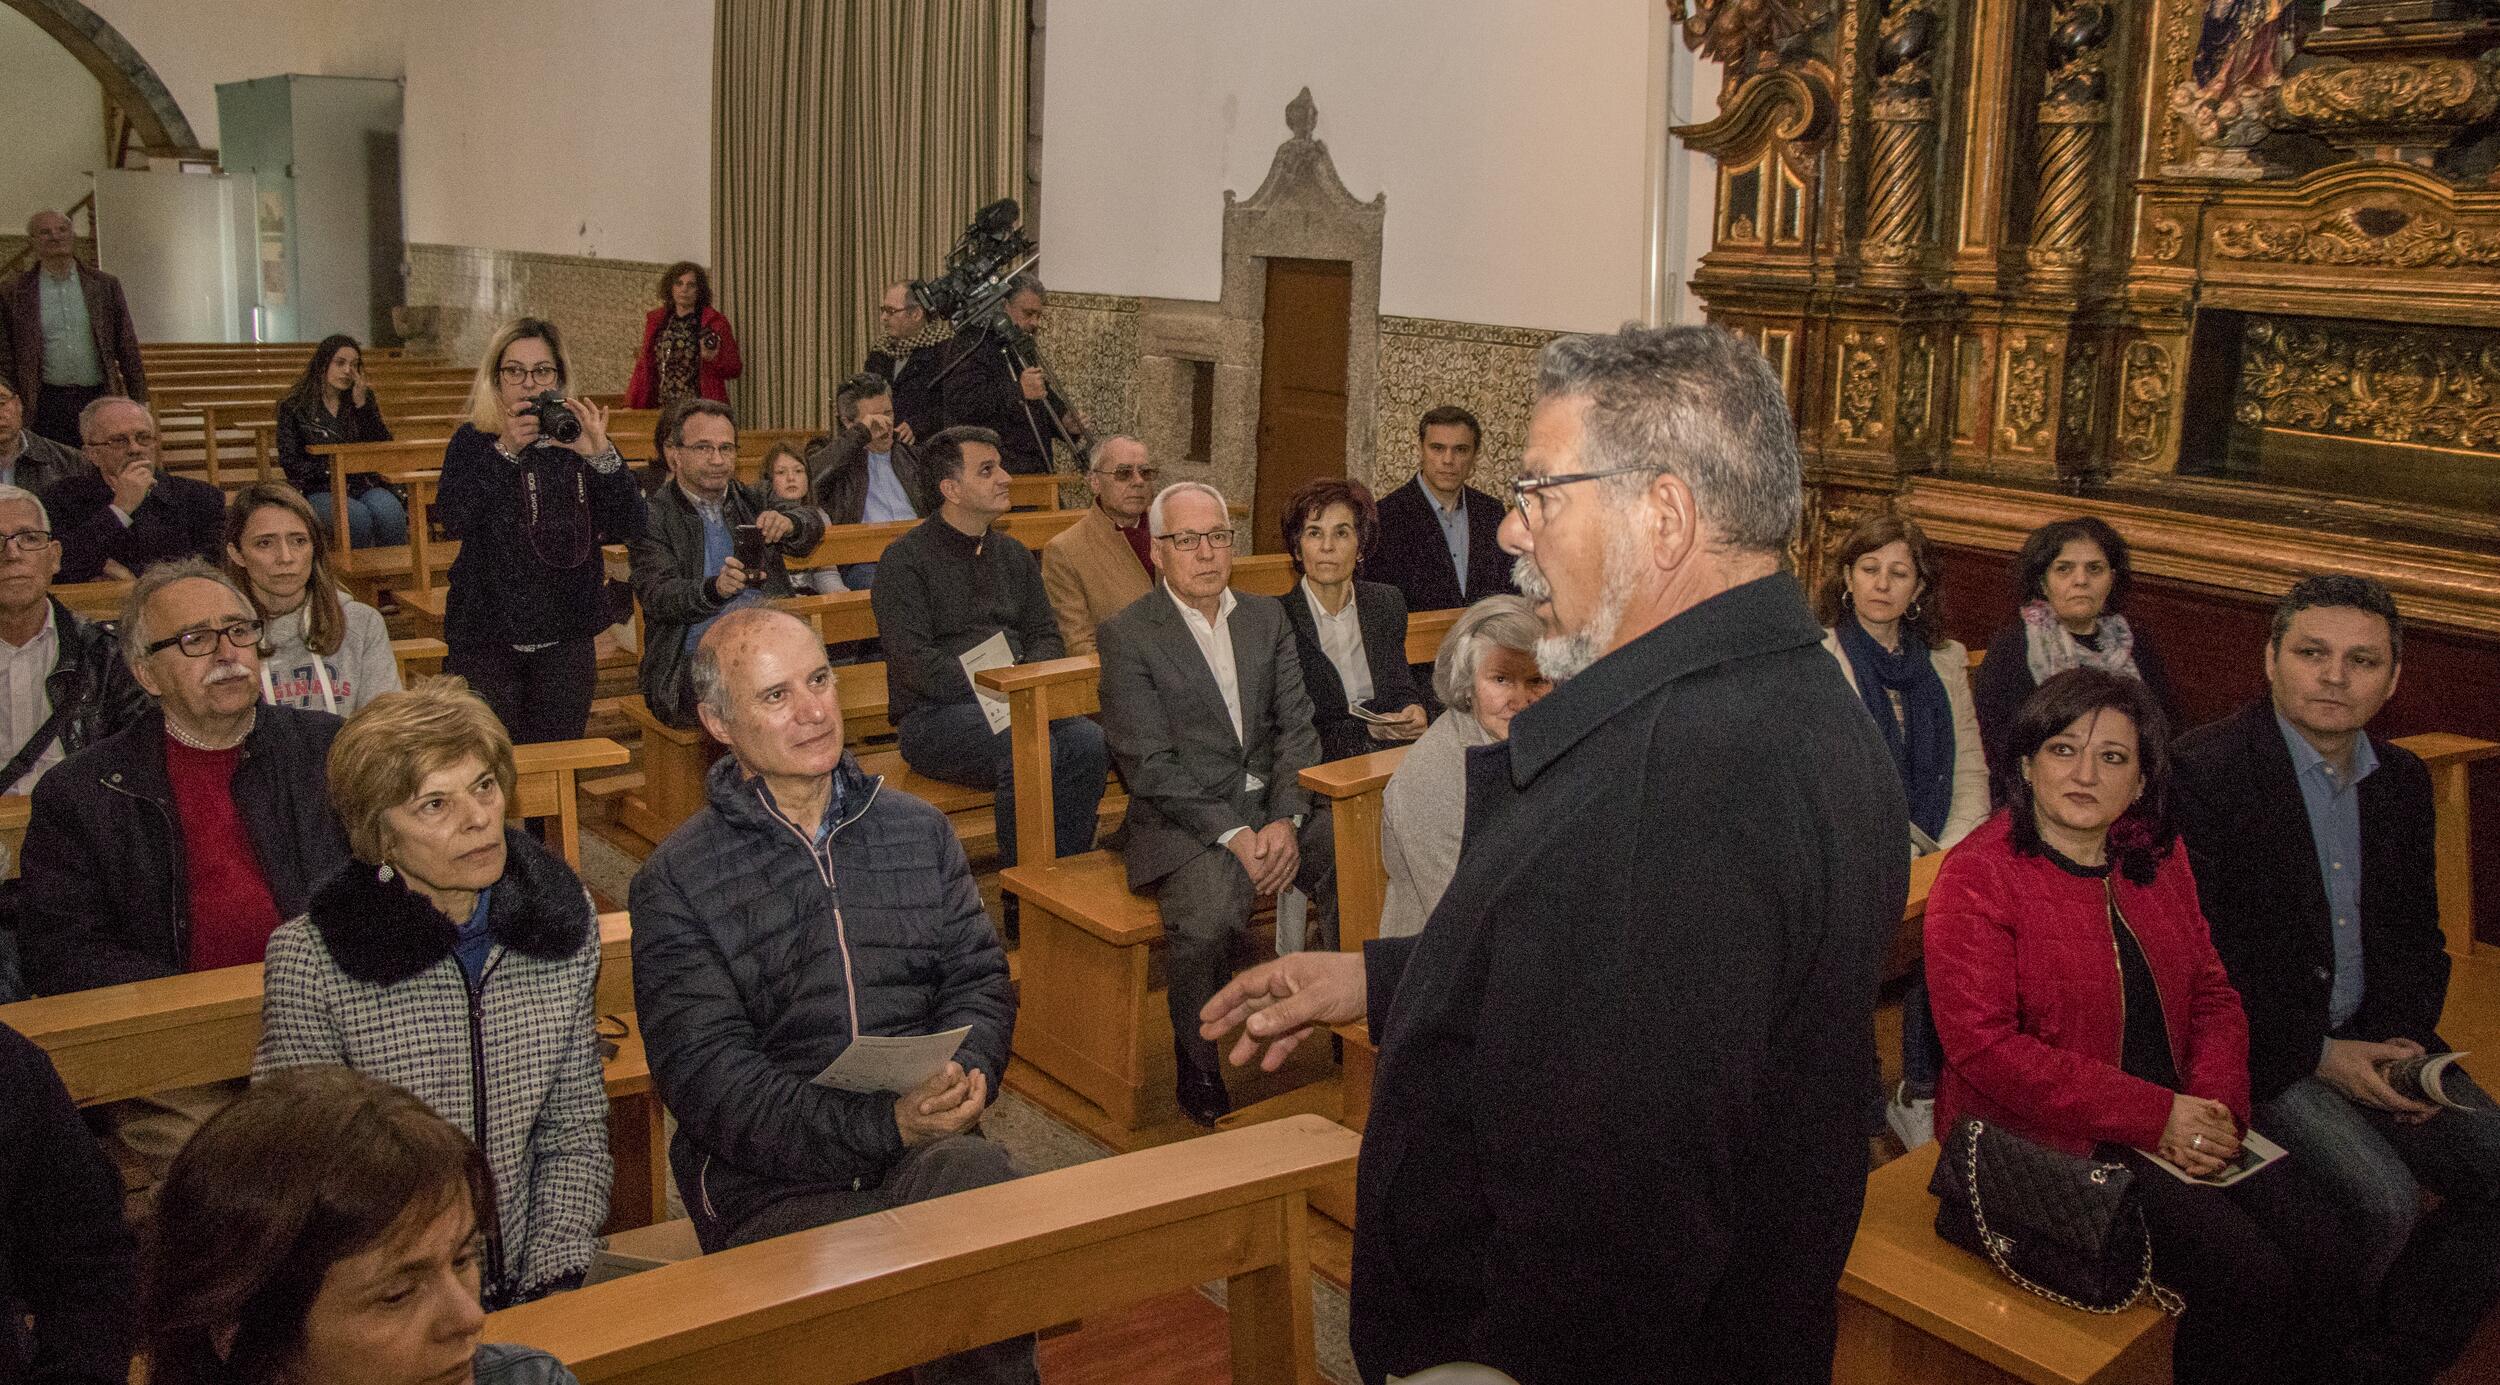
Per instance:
(711,378)
(2023,976)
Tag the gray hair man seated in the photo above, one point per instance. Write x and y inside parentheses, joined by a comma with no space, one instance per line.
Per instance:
(1204,710)
(810,905)
(125,513)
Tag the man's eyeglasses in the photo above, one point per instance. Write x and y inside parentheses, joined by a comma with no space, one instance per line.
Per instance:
(709,451)
(546,374)
(27,540)
(199,644)
(1187,540)
(1130,473)
(145,437)
(1526,492)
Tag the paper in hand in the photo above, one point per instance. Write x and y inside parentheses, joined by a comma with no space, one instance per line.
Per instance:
(990,653)
(2256,1152)
(892,1063)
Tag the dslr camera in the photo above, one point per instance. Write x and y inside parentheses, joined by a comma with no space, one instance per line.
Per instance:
(985,258)
(556,420)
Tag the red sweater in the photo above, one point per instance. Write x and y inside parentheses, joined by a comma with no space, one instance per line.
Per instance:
(231,910)
(2022,973)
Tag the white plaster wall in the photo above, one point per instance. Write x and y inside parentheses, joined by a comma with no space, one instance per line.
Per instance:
(54,114)
(1511,138)
(196,44)
(568,127)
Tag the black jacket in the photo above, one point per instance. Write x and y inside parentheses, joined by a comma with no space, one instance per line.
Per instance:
(1381,612)
(1619,1126)
(45,462)
(939,593)
(2247,829)
(105,897)
(515,584)
(2001,683)
(66,1258)
(302,427)
(840,469)
(90,685)
(914,378)
(675,591)
(181,518)
(978,384)
(758,956)
(1409,553)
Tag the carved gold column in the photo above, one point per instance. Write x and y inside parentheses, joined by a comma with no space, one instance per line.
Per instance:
(2073,126)
(1903,116)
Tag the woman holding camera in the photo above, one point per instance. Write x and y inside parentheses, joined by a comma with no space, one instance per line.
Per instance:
(531,488)
(688,351)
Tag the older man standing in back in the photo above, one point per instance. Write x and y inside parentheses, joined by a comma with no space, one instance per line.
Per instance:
(66,338)
(1655,969)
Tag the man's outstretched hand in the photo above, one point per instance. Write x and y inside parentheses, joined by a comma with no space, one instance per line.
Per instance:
(1276,1003)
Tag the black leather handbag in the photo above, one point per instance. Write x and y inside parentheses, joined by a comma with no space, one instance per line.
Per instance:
(2063,1226)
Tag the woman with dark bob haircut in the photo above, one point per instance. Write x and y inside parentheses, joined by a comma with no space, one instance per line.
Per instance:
(688,350)
(323,1230)
(2083,1008)
(1351,635)
(2070,580)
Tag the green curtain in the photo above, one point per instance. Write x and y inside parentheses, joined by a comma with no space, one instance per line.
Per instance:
(851,141)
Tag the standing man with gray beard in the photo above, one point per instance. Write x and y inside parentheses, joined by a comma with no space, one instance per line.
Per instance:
(1618,1125)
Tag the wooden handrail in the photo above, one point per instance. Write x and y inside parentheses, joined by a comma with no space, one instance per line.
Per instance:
(862,1298)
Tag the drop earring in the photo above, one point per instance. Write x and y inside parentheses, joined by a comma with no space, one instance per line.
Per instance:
(384,874)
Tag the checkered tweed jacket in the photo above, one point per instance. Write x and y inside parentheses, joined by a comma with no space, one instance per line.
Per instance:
(367,979)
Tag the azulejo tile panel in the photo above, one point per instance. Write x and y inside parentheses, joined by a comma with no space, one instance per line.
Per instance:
(1489,371)
(598,304)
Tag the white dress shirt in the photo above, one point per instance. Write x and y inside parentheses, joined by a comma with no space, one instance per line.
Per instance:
(1341,639)
(24,700)
(1215,642)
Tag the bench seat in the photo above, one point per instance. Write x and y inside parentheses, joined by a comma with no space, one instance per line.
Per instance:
(1919,1311)
(1083,1011)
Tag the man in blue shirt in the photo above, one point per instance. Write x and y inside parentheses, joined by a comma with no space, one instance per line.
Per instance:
(66,338)
(2312,846)
(867,474)
(1438,541)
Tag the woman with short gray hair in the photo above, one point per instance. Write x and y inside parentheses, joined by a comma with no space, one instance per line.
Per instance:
(1485,675)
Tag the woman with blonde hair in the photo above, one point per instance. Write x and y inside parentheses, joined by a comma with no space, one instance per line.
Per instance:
(322,650)
(531,488)
(454,956)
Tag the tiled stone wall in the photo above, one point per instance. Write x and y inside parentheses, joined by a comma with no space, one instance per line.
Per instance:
(1126,384)
(598,304)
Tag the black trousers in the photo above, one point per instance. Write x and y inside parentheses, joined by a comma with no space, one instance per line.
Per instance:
(2251,1261)
(56,412)
(541,695)
(1206,905)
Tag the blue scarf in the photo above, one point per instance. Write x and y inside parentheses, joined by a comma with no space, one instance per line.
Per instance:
(1921,737)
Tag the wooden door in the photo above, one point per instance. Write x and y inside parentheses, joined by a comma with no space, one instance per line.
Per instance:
(1302,383)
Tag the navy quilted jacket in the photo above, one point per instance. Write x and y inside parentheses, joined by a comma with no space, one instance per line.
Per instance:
(758,954)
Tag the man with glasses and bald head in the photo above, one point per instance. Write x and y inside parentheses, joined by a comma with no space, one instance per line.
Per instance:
(124,513)
(1206,715)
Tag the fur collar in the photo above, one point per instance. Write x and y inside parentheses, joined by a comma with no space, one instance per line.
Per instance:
(382,932)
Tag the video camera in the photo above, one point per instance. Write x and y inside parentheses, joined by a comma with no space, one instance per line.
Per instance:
(980,267)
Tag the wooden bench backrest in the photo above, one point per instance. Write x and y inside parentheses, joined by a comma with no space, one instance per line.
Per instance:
(544,785)
(862,1298)
(123,1041)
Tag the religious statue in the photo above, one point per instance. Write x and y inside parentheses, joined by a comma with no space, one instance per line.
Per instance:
(1740,34)
(2240,51)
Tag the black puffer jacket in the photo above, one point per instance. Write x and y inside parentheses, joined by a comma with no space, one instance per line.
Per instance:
(757,957)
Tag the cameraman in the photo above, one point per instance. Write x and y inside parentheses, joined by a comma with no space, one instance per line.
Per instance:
(527,600)
(867,473)
(991,380)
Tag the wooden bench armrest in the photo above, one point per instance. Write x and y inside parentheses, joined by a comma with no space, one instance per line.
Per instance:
(616,964)
(1045,673)
(594,752)
(1424,632)
(2439,749)
(1342,779)
(1091,892)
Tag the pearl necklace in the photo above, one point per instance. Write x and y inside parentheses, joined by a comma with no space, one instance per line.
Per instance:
(175,730)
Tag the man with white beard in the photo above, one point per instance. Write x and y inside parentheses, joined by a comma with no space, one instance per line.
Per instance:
(181,842)
(1618,1127)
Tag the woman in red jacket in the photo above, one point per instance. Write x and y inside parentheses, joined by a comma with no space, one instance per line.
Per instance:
(687,347)
(2082,1007)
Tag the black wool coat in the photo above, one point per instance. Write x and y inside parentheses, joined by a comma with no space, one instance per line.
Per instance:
(1618,1130)
(1410,554)
(1381,612)
(2239,807)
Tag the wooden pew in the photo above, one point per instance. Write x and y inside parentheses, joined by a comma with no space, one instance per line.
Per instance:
(1085,979)
(117,1042)
(546,783)
(2448,757)
(860,1299)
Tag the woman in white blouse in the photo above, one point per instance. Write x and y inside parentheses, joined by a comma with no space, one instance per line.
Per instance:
(1351,635)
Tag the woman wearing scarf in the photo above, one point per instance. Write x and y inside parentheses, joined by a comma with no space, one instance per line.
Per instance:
(1881,610)
(2072,576)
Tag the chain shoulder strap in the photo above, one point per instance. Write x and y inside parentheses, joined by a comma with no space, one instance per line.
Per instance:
(2164,1299)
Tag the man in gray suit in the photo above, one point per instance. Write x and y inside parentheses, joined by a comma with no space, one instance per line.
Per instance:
(1204,710)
